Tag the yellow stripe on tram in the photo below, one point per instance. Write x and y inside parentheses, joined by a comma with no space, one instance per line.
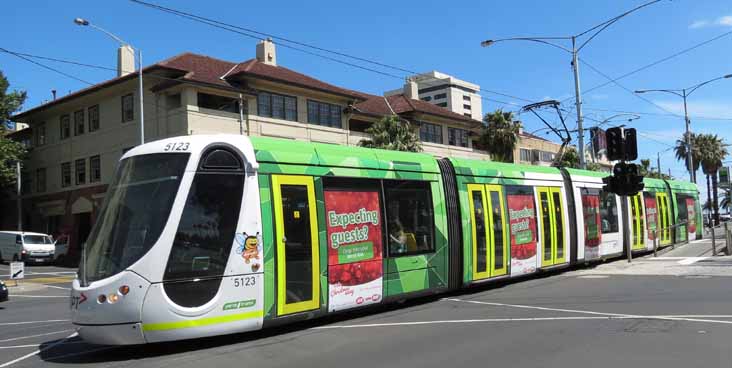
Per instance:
(201,322)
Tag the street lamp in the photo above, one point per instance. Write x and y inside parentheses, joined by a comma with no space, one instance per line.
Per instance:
(85,23)
(684,93)
(575,65)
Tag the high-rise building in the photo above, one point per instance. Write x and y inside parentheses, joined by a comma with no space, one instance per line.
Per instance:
(449,92)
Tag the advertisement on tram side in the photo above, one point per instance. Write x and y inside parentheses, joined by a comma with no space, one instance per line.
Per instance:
(691,214)
(651,216)
(355,263)
(522,223)
(593,233)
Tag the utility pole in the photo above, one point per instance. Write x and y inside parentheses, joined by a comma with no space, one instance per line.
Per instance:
(658,162)
(689,156)
(578,104)
(19,186)
(142,98)
(241,115)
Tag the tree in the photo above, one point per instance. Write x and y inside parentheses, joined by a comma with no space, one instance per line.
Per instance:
(712,151)
(10,151)
(500,135)
(648,172)
(392,133)
(680,150)
(569,159)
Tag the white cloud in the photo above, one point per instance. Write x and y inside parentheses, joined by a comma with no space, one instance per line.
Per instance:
(724,21)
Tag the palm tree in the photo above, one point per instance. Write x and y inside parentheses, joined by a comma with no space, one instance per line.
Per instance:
(726,202)
(680,150)
(712,152)
(392,133)
(500,135)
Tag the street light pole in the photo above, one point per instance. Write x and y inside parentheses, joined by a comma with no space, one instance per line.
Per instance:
(18,188)
(684,94)
(578,104)
(84,22)
(575,62)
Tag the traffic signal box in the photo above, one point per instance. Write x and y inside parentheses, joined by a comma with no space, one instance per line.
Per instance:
(622,145)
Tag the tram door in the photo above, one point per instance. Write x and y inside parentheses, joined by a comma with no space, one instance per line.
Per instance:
(664,218)
(489,235)
(296,234)
(552,226)
(638,226)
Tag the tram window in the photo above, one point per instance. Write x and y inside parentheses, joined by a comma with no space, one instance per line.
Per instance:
(497,229)
(410,217)
(591,214)
(608,212)
(480,234)
(546,225)
(298,247)
(556,198)
(205,235)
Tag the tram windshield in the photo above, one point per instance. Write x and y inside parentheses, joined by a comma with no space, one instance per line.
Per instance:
(134,213)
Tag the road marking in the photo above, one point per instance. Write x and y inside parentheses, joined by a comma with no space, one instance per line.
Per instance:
(58,287)
(593,277)
(635,316)
(416,323)
(30,336)
(24,357)
(37,345)
(31,322)
(38,296)
(691,260)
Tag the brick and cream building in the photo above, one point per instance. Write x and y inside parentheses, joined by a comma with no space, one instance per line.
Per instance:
(76,140)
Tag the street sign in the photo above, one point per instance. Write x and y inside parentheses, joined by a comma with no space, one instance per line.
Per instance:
(17,270)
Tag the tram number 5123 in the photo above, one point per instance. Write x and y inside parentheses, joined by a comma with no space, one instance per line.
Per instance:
(245,281)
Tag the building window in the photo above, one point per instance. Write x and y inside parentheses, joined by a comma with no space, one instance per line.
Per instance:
(427,98)
(215,102)
(65,174)
(41,180)
(442,104)
(440,96)
(325,114)
(40,130)
(128,108)
(466,98)
(93,118)
(80,171)
(277,106)
(430,132)
(409,217)
(546,156)
(65,126)
(466,107)
(95,169)
(468,114)
(457,137)
(174,101)
(525,155)
(79,122)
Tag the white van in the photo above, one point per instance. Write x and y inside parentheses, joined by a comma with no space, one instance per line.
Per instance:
(26,246)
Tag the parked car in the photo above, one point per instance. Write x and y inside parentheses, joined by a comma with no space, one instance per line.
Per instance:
(3,292)
(62,248)
(27,247)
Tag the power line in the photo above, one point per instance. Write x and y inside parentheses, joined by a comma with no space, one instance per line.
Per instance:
(662,60)
(44,66)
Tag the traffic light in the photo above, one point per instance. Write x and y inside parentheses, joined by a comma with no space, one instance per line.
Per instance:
(614,138)
(625,181)
(631,145)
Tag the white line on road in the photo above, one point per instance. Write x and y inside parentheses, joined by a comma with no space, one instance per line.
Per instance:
(31,322)
(31,336)
(37,345)
(528,319)
(38,296)
(24,357)
(57,287)
(691,260)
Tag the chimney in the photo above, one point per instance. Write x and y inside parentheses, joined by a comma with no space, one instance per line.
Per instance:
(125,60)
(411,90)
(266,52)
(53,92)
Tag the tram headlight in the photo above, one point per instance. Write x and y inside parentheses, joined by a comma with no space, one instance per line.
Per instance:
(113,298)
(101,298)
(124,289)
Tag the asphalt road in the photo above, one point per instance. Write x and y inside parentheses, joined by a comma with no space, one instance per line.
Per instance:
(670,312)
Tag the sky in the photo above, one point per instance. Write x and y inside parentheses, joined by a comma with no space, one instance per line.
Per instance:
(421,36)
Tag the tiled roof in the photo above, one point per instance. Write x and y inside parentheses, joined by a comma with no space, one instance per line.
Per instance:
(376,105)
(259,69)
(529,135)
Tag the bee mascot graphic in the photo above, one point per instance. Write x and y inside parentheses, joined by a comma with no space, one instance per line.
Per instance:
(249,248)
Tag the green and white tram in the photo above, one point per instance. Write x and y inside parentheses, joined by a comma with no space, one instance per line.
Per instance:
(211,235)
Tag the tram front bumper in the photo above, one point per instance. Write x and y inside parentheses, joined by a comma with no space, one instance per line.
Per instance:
(108,311)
